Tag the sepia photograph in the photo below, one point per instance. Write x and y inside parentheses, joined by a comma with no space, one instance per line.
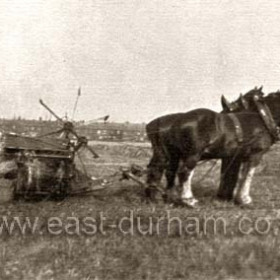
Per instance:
(139,139)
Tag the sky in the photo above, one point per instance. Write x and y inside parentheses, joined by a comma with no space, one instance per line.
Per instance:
(134,59)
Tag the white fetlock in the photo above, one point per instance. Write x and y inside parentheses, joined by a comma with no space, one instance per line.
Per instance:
(191,202)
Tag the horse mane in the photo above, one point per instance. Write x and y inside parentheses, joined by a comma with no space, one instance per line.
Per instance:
(273,95)
(246,101)
(250,95)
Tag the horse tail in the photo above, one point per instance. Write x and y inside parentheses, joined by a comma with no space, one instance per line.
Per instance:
(152,131)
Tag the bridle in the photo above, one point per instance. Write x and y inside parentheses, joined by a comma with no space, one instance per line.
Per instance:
(267,118)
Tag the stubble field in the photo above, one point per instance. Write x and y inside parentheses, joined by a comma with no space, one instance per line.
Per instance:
(115,234)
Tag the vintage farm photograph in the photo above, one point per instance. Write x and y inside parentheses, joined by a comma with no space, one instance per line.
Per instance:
(139,139)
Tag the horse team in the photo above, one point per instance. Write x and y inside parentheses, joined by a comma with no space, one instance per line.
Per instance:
(239,135)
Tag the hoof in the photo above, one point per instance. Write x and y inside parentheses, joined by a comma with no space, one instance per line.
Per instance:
(153,194)
(224,197)
(190,202)
(150,193)
(247,206)
(247,200)
(167,197)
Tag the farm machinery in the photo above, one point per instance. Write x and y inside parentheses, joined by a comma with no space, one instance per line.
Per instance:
(44,166)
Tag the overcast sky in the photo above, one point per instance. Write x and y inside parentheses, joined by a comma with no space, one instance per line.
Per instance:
(134,59)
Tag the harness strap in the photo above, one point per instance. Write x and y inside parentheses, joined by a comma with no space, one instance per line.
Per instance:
(267,118)
(238,128)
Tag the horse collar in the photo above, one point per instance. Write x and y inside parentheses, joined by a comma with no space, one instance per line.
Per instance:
(267,118)
(237,125)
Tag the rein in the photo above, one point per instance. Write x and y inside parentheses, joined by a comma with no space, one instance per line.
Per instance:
(207,172)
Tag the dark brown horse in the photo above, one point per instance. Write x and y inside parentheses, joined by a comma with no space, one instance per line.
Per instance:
(203,134)
(246,103)
(165,158)
(230,166)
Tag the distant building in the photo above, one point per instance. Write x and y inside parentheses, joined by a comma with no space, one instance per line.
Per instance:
(94,131)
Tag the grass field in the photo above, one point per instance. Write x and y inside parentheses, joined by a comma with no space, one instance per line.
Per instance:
(115,234)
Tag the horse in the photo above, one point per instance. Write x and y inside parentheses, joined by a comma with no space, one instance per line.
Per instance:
(204,134)
(230,166)
(166,159)
(246,103)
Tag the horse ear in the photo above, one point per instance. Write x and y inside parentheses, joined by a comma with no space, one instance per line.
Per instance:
(261,87)
(244,102)
(225,104)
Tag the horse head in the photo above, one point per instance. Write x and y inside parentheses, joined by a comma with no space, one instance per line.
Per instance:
(272,100)
(244,102)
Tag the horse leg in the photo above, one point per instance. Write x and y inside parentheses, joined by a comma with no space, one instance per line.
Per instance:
(154,174)
(185,175)
(229,176)
(242,194)
(170,174)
